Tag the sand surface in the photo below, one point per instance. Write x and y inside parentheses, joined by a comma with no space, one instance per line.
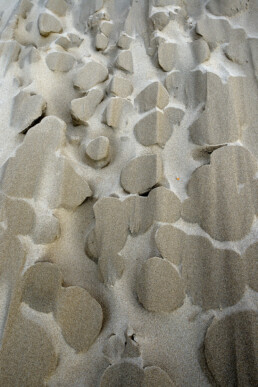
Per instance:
(128,193)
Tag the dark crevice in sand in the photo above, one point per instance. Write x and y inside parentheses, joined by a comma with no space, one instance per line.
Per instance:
(35,122)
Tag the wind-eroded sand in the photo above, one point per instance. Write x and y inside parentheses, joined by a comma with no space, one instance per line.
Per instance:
(128,193)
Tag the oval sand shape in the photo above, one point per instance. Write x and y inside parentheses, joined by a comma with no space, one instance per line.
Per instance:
(83,108)
(167,55)
(156,377)
(159,287)
(121,375)
(231,349)
(125,61)
(169,241)
(79,316)
(160,20)
(27,356)
(165,205)
(41,283)
(141,173)
(101,41)
(48,23)
(153,129)
(60,61)
(120,86)
(124,41)
(98,148)
(154,95)
(90,75)
(200,50)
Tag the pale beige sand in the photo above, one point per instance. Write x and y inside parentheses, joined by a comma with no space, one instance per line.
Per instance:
(128,193)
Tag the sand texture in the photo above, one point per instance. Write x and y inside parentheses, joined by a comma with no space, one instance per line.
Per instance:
(128,193)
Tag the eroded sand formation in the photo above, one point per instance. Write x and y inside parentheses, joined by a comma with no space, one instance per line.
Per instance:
(128,202)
